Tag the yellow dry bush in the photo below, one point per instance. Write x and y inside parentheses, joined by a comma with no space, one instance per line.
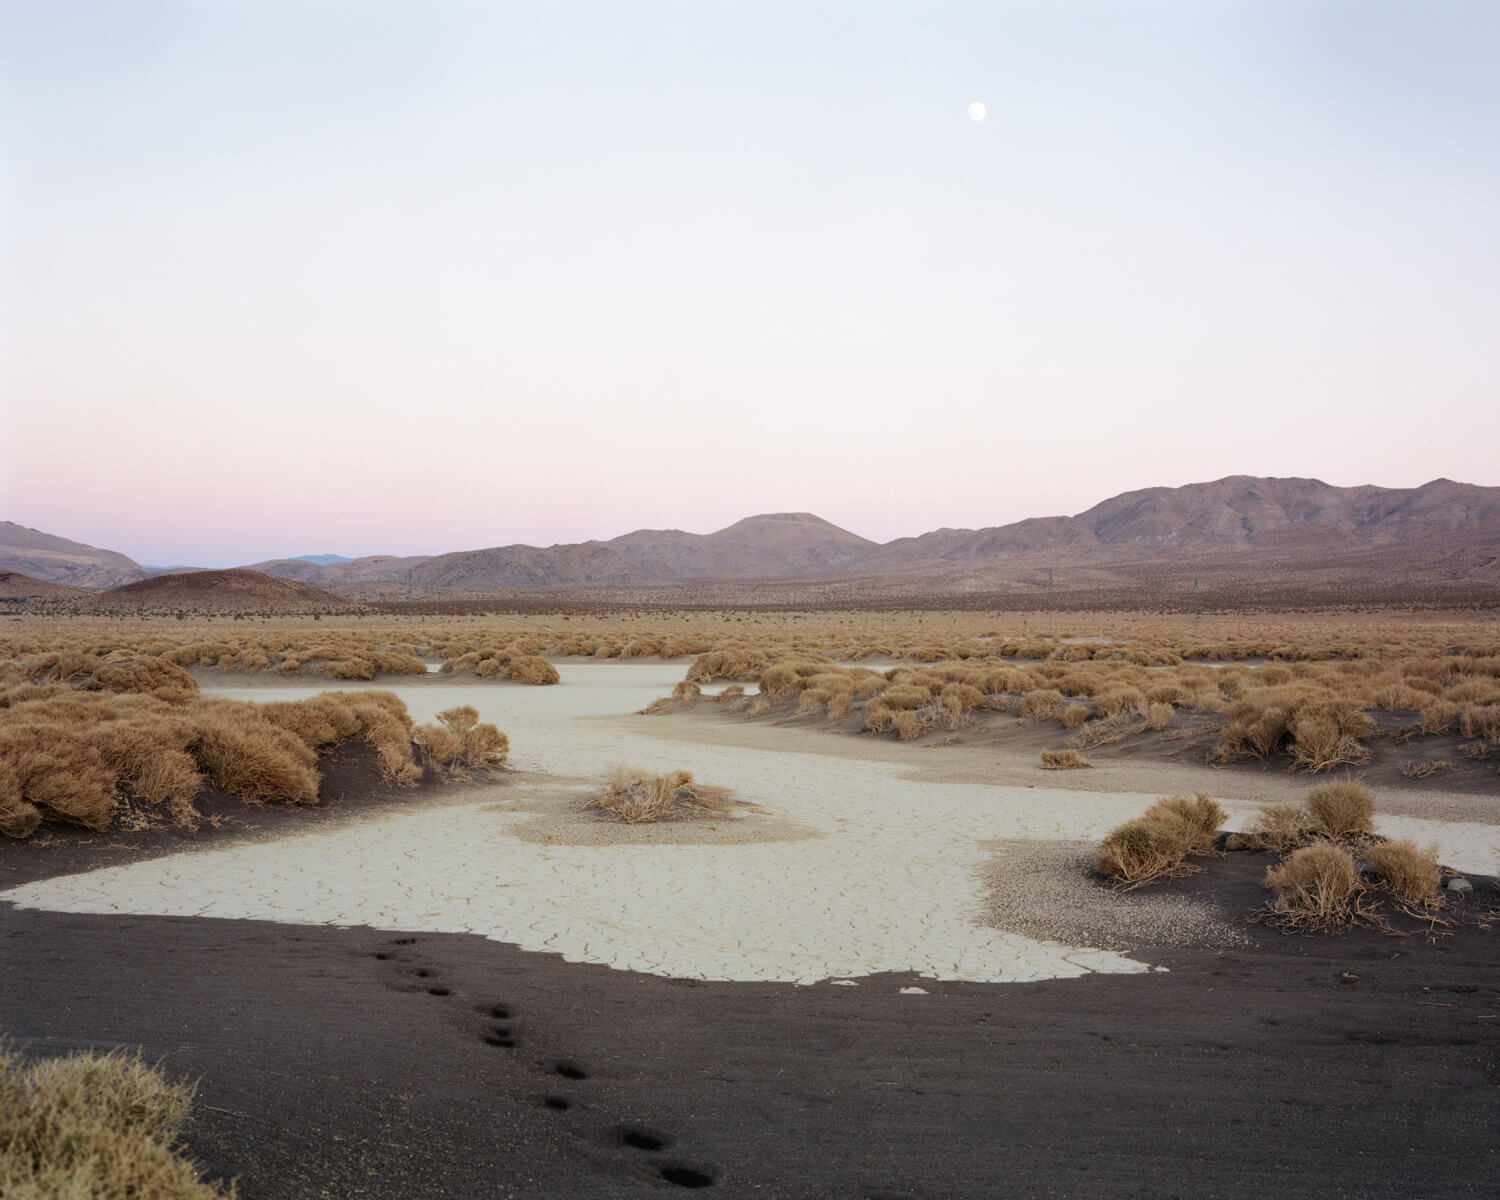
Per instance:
(1409,871)
(1074,715)
(1198,815)
(94,1127)
(635,796)
(1343,808)
(907,724)
(1316,886)
(905,696)
(1063,760)
(1158,716)
(877,715)
(1142,850)
(1280,827)
(1040,703)
(528,668)
(460,740)
(962,697)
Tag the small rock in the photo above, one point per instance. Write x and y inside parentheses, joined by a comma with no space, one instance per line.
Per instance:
(1459,884)
(843,983)
(914,991)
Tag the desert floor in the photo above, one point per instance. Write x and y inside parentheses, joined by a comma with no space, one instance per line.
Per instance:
(894,980)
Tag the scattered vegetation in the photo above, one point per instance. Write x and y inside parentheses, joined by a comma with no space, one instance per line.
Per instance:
(106,759)
(1063,760)
(637,796)
(94,1127)
(1341,809)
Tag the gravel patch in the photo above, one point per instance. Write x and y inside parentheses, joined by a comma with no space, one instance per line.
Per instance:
(1045,890)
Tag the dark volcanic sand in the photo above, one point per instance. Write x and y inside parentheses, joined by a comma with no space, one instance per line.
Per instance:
(372,1063)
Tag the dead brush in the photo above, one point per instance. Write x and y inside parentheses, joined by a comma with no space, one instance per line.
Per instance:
(1063,760)
(1280,827)
(94,1127)
(1105,732)
(1315,887)
(1421,769)
(1342,809)
(636,796)
(459,741)
(1156,845)
(1409,872)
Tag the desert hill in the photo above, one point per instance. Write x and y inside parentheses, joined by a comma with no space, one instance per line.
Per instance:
(53,559)
(15,586)
(236,590)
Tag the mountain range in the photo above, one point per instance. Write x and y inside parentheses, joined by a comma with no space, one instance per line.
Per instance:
(1240,532)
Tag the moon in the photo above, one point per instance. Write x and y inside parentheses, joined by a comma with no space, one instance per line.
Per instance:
(976,110)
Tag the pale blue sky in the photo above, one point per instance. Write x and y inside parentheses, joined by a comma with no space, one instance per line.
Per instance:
(284,278)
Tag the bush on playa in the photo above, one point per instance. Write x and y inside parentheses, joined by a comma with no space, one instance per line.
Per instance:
(1280,827)
(94,1127)
(637,796)
(459,740)
(1063,760)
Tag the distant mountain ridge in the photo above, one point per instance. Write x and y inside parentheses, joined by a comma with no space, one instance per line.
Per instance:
(1241,528)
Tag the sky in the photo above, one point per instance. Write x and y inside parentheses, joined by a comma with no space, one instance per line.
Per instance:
(365,277)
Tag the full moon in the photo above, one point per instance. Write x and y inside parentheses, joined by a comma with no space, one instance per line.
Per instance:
(976,110)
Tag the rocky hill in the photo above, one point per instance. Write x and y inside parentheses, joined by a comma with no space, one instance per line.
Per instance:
(237,590)
(55,559)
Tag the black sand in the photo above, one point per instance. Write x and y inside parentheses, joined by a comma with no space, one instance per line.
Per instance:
(372,1063)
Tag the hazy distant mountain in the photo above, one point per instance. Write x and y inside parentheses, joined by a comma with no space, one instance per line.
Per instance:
(1243,536)
(55,559)
(1242,511)
(770,546)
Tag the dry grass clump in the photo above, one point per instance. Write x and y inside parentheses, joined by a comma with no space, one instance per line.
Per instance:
(1063,760)
(1156,844)
(1316,886)
(458,740)
(1407,870)
(1343,808)
(637,796)
(99,759)
(94,1127)
(1420,769)
(1280,827)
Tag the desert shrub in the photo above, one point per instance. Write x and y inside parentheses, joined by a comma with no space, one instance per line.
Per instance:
(636,796)
(962,697)
(460,740)
(905,696)
(907,724)
(877,715)
(1116,701)
(1105,732)
(1406,869)
(1343,808)
(688,692)
(1063,760)
(94,1127)
(528,668)
(1199,816)
(1074,715)
(1040,703)
(1481,722)
(1142,850)
(1315,886)
(1280,827)
(1158,716)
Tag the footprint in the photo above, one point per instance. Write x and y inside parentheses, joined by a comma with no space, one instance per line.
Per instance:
(638,1137)
(556,1103)
(501,1036)
(403,941)
(684,1175)
(569,1069)
(439,991)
